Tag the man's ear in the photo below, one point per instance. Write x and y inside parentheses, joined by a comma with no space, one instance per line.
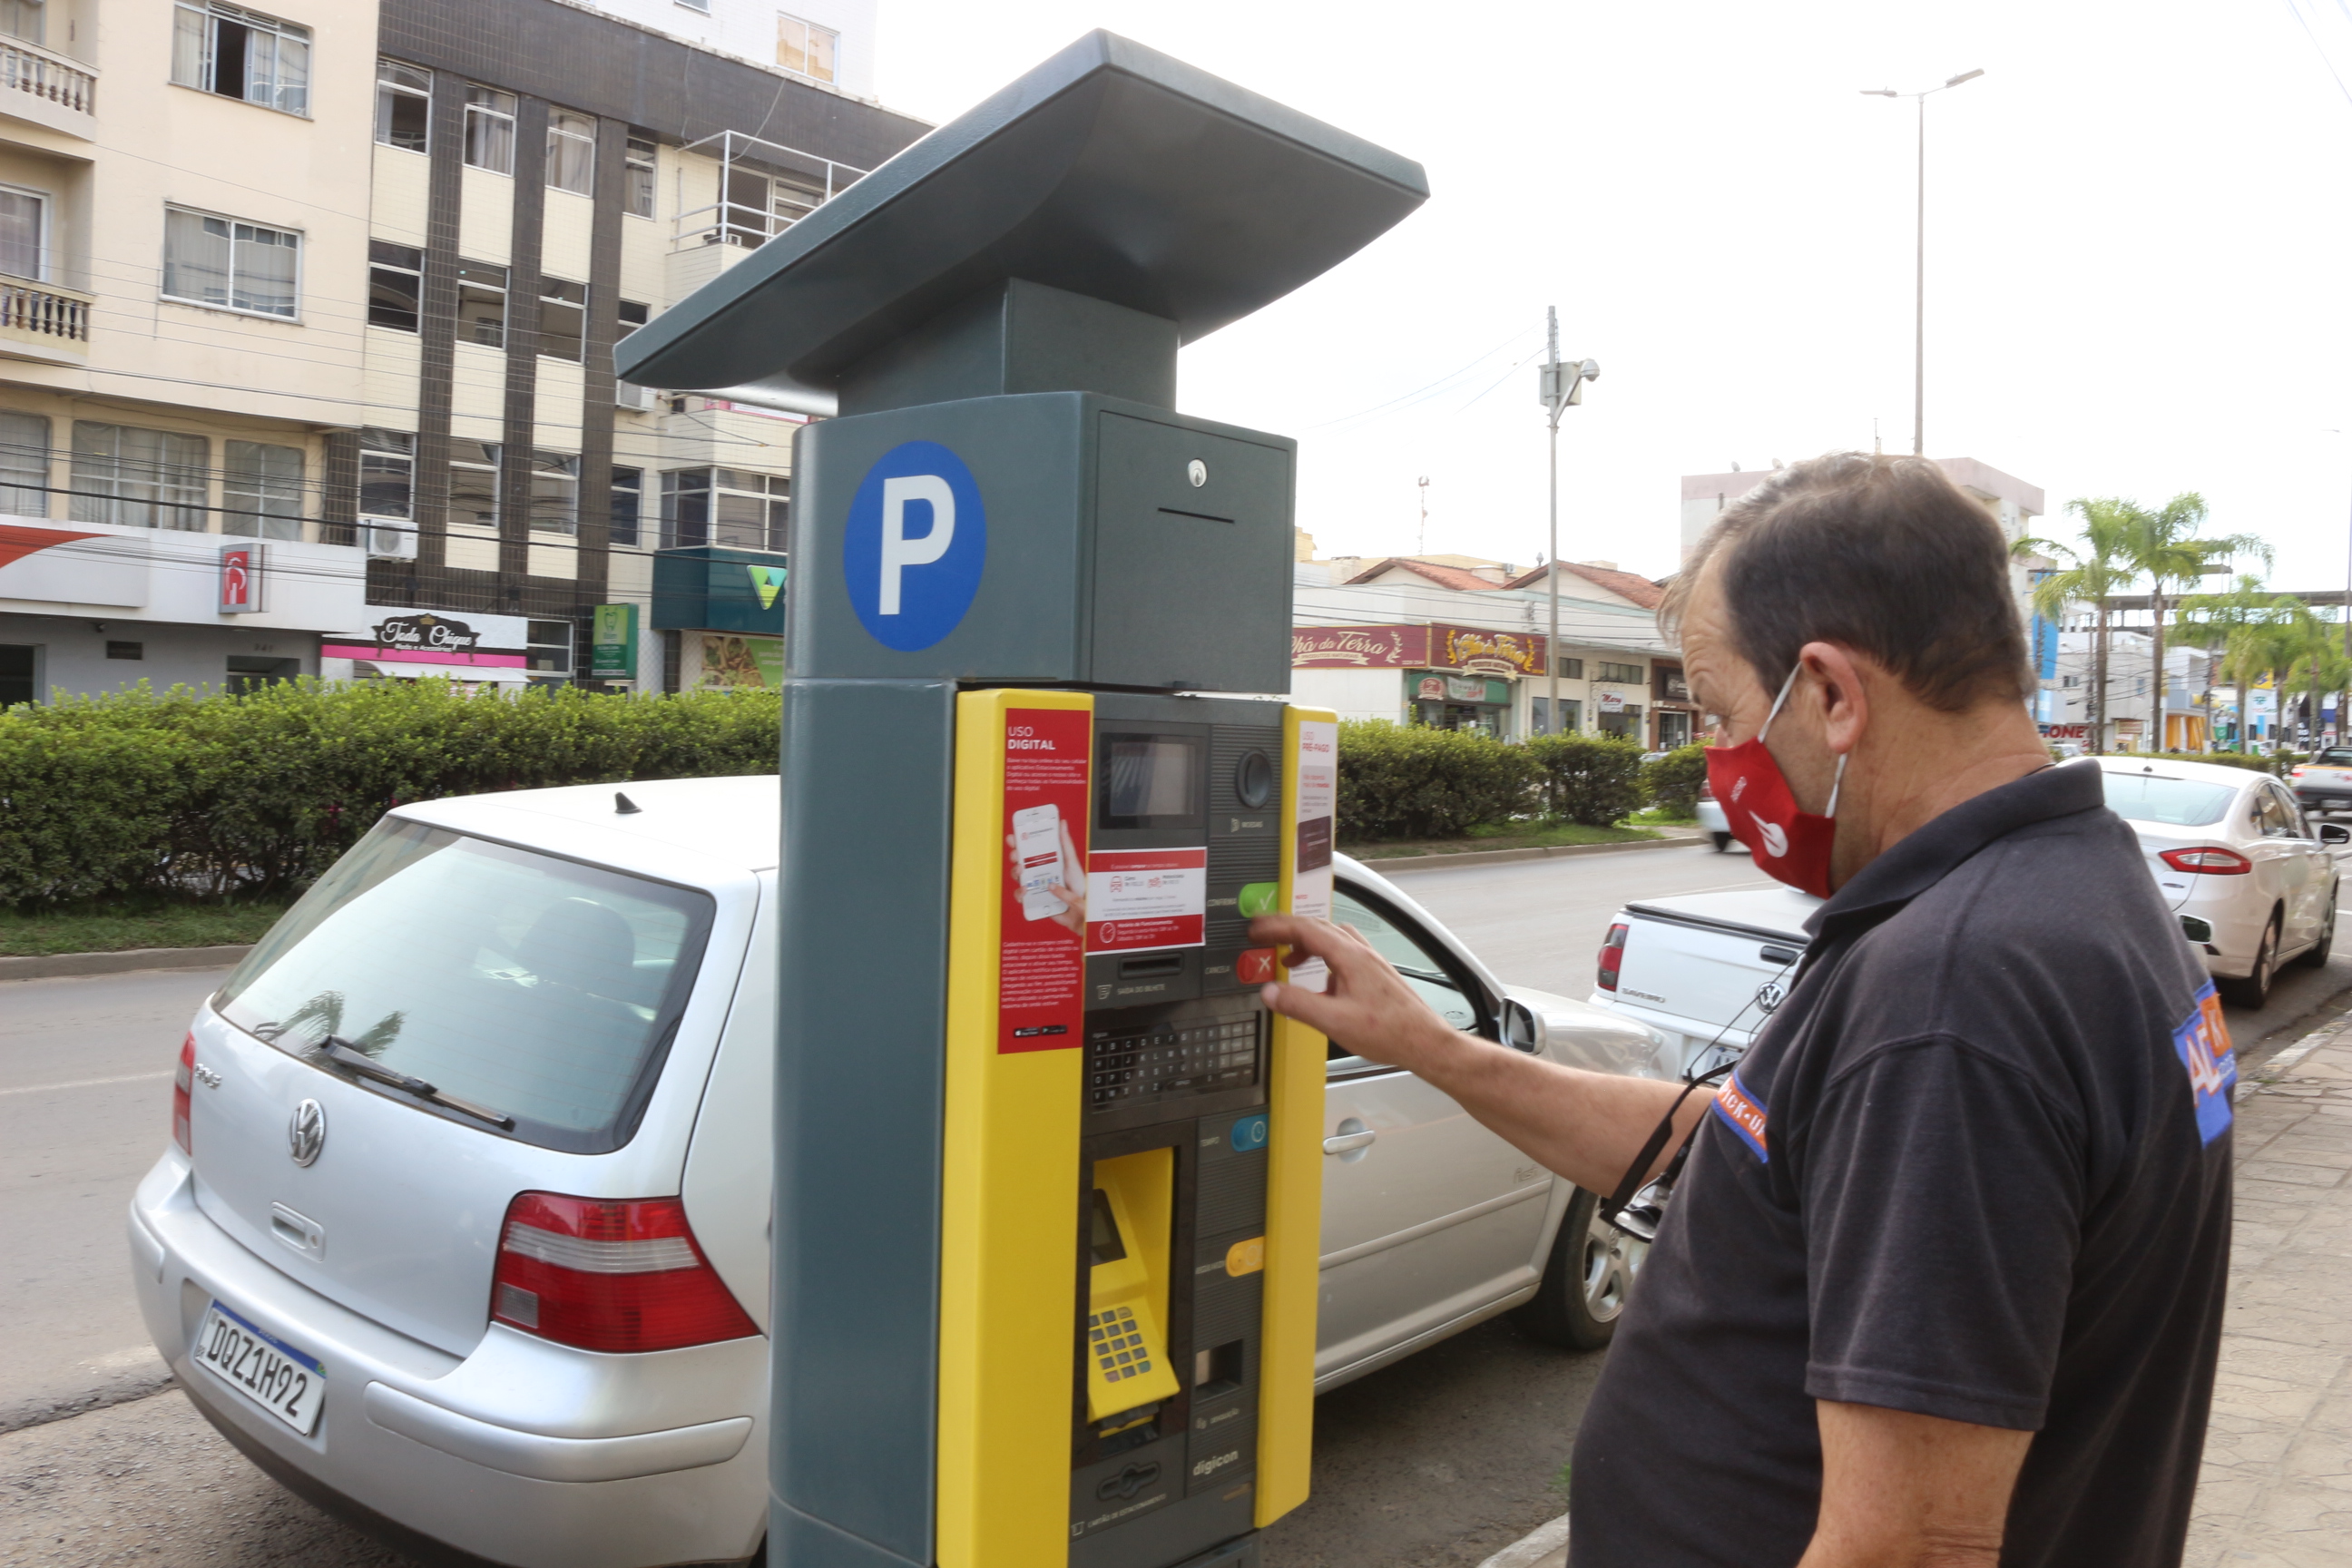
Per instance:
(1845,693)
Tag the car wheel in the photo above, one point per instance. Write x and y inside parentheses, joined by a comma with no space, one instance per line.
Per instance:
(2255,989)
(2318,954)
(1722,841)
(1586,1279)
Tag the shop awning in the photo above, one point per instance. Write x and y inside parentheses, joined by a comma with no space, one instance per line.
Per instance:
(470,674)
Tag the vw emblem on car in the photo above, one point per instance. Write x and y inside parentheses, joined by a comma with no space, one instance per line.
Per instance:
(306,1132)
(1770,995)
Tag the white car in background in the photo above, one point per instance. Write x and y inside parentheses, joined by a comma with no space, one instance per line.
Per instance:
(462,1228)
(2253,882)
(1713,820)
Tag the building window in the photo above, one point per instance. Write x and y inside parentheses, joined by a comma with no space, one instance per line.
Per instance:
(395,285)
(126,651)
(387,475)
(1629,673)
(490,128)
(24,19)
(637,187)
(631,315)
(481,304)
(139,479)
(229,265)
(404,105)
(261,490)
(805,47)
(1670,683)
(24,465)
(223,48)
(548,648)
(628,504)
(571,151)
(248,673)
(725,506)
(24,233)
(1571,670)
(562,318)
(555,493)
(1539,716)
(474,484)
(2070,681)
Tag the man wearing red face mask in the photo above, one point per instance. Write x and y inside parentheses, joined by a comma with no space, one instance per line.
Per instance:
(1941,1282)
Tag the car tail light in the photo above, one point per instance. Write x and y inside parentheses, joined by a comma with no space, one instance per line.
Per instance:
(610,1274)
(1705,790)
(1613,955)
(2296,772)
(183,1080)
(2210,859)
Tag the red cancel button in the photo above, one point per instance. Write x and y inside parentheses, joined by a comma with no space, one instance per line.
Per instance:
(1255,966)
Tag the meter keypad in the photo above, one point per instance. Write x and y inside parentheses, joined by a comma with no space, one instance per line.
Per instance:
(1211,1054)
(1117,1341)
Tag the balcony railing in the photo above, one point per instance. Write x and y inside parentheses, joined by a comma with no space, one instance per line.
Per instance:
(764,188)
(28,69)
(45,315)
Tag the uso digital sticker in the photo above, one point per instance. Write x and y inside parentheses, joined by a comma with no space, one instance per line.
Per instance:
(916,540)
(2202,1042)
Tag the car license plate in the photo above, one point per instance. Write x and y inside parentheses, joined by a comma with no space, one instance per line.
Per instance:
(288,1383)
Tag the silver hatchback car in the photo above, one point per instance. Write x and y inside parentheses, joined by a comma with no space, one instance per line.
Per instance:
(462,1232)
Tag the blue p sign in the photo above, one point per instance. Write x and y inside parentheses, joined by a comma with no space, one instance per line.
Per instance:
(917,540)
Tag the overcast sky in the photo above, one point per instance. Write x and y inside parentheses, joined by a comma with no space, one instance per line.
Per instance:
(2136,250)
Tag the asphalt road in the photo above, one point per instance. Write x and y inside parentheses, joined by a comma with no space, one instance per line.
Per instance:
(1443,1458)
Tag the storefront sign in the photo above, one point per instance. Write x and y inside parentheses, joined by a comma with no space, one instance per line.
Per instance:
(1358,647)
(428,637)
(1459,688)
(2065,732)
(241,578)
(1671,686)
(613,643)
(1609,702)
(1486,652)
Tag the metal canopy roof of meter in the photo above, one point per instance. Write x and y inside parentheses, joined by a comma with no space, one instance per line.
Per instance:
(1110,171)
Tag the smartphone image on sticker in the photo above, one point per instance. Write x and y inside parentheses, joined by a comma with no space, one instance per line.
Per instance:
(1037,851)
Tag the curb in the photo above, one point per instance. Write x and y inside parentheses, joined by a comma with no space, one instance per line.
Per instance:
(1500,857)
(46,966)
(1544,1540)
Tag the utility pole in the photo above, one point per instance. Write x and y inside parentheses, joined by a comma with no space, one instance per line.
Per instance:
(1559,385)
(1421,540)
(1920,262)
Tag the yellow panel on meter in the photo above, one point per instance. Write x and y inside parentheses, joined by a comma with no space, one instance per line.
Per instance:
(1127,1295)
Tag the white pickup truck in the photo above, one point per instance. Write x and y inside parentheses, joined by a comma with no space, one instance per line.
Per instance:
(1703,969)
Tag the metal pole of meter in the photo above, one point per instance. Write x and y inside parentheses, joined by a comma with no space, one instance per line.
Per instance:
(1559,383)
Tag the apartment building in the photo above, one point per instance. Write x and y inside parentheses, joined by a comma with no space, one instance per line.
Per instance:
(318,379)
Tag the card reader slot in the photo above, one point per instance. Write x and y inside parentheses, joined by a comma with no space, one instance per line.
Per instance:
(1150,968)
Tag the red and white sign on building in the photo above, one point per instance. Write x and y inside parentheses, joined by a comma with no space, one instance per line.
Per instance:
(1146,898)
(241,577)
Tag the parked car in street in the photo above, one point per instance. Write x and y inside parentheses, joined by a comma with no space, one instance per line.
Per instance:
(461,1230)
(2251,880)
(2325,783)
(1705,970)
(1714,819)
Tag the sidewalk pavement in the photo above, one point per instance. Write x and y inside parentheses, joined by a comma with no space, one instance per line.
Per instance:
(2276,1490)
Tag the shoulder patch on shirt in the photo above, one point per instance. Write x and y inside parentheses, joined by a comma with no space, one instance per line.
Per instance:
(1744,1114)
(2202,1042)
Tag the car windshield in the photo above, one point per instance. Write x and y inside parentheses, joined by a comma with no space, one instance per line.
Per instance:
(538,987)
(2172,802)
(2334,757)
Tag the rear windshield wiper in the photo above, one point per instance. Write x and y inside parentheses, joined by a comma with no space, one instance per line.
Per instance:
(344,1054)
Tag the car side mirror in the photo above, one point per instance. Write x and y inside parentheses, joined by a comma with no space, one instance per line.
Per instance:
(1523,1027)
(2334,833)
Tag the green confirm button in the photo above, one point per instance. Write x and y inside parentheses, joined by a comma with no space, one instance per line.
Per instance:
(1260,899)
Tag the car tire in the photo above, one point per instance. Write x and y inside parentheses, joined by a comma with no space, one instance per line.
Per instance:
(1722,841)
(2254,990)
(1586,1279)
(2317,955)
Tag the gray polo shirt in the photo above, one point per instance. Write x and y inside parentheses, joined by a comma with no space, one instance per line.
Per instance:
(1976,1166)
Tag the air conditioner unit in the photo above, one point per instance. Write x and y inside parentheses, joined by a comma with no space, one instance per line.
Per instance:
(391,541)
(629,395)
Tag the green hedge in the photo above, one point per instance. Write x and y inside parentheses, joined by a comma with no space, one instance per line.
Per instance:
(1590,779)
(1413,782)
(175,793)
(1673,779)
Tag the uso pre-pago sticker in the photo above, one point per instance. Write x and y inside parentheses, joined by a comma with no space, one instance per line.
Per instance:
(2202,1042)
(916,543)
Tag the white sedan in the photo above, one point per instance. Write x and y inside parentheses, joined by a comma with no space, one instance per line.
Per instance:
(2253,882)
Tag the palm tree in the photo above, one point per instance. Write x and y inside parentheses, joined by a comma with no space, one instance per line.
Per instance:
(2210,620)
(2093,573)
(2320,662)
(2263,648)
(2164,545)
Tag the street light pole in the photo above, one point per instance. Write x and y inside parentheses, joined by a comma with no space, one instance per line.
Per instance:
(1920,262)
(1559,385)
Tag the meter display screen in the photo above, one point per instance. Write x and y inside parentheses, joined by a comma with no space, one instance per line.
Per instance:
(1106,1246)
(1149,780)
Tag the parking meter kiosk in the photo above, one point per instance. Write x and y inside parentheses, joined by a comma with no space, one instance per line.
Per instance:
(1047,1174)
